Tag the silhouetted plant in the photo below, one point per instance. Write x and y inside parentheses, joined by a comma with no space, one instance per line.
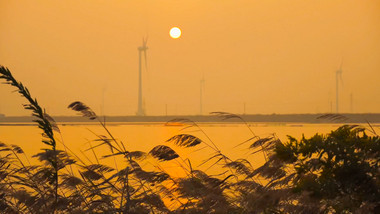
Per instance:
(340,170)
(333,173)
(44,122)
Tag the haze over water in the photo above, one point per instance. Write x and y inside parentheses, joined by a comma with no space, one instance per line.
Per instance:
(272,56)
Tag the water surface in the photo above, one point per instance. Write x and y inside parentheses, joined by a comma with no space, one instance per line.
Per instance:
(144,136)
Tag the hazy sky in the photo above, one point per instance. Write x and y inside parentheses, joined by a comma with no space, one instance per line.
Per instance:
(275,56)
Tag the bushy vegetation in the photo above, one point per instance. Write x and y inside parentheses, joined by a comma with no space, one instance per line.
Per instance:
(334,173)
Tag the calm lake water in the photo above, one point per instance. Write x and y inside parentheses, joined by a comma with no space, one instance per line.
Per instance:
(144,136)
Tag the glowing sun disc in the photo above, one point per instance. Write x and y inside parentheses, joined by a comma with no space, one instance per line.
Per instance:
(175,32)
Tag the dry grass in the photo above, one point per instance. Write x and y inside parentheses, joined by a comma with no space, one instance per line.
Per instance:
(290,181)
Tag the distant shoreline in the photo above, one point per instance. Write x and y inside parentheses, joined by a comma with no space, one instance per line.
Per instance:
(252,118)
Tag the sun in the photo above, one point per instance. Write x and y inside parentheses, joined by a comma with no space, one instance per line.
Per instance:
(175,32)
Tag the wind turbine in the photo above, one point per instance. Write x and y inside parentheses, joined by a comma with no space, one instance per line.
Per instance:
(338,78)
(202,88)
(141,49)
(351,103)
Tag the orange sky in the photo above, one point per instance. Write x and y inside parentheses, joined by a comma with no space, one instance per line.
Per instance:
(275,56)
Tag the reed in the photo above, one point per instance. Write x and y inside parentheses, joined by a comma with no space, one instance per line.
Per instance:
(333,173)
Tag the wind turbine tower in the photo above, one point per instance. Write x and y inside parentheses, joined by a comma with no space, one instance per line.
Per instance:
(338,78)
(202,88)
(142,50)
(351,103)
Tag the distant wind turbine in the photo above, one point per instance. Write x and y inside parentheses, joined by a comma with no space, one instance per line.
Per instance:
(338,78)
(140,105)
(351,103)
(202,88)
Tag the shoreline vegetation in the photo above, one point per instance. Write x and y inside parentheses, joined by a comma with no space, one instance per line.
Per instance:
(333,173)
(254,118)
